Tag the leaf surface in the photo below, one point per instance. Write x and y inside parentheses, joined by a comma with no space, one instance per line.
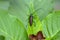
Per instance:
(23,8)
(10,27)
(51,26)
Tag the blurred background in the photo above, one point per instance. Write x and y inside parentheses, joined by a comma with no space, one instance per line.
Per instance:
(57,5)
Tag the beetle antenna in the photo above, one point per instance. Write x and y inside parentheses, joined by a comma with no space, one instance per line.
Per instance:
(36,10)
(30,10)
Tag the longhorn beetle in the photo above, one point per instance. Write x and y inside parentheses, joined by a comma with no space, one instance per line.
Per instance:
(31,18)
(31,15)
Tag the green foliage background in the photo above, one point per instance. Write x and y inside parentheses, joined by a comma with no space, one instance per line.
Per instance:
(14,16)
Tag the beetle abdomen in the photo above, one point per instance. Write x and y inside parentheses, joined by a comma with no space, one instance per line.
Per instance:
(31,20)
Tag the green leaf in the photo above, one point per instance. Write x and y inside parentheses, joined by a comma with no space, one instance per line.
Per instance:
(4,5)
(2,37)
(36,26)
(23,8)
(51,26)
(11,28)
(44,7)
